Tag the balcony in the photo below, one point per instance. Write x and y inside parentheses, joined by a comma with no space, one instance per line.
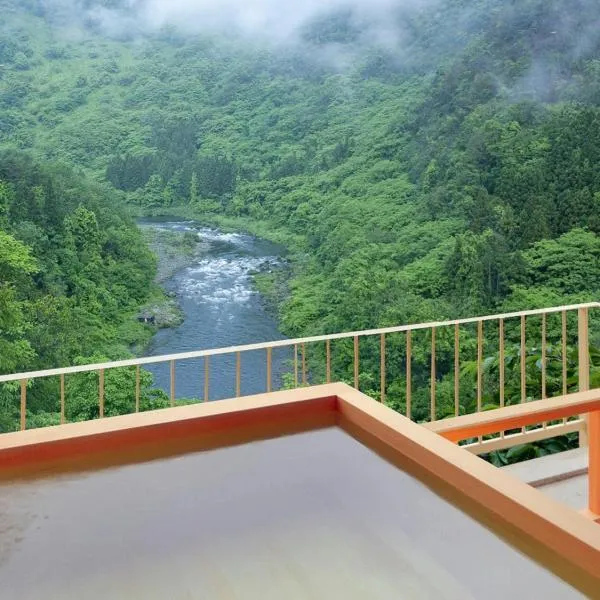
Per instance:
(317,491)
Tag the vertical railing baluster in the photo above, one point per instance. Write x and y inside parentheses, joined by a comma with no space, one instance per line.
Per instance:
(138,388)
(172,383)
(409,374)
(501,364)
(593,423)
(295,365)
(592,420)
(23,404)
(62,399)
(583,346)
(479,369)
(238,374)
(269,368)
(432,400)
(543,358)
(206,376)
(501,361)
(356,362)
(456,370)
(304,376)
(590,433)
(523,363)
(101,392)
(479,364)
(382,366)
(328,361)
(564,355)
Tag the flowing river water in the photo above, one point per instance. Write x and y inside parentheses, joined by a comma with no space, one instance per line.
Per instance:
(221,309)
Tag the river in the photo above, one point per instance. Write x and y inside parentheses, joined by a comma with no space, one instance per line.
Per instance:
(221,309)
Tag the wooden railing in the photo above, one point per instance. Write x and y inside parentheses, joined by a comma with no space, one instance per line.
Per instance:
(490,331)
(532,413)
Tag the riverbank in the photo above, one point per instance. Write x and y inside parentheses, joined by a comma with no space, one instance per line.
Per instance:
(293,243)
(174,250)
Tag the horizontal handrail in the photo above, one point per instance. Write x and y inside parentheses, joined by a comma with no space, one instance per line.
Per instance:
(487,422)
(529,436)
(284,343)
(499,420)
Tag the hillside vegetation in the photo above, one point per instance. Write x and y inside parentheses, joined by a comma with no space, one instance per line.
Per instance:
(73,271)
(452,174)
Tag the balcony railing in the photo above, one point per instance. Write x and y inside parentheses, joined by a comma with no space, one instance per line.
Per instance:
(511,417)
(490,334)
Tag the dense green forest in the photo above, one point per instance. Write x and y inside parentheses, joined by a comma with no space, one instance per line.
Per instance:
(74,269)
(453,172)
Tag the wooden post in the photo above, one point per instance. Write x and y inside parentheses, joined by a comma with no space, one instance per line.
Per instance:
(328,361)
(62,399)
(564,355)
(501,365)
(523,362)
(101,393)
(172,383)
(382,367)
(304,376)
(238,374)
(296,365)
(593,431)
(23,404)
(356,361)
(269,368)
(543,357)
(206,375)
(432,408)
(456,370)
(409,374)
(583,347)
(138,390)
(501,360)
(479,368)
(544,393)
(479,364)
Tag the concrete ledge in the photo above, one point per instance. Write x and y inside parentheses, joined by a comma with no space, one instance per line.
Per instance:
(539,472)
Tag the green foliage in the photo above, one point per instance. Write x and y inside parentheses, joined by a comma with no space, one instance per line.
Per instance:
(567,265)
(451,176)
(73,269)
(82,391)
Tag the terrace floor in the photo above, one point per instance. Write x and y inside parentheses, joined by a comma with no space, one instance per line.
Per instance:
(312,515)
(561,476)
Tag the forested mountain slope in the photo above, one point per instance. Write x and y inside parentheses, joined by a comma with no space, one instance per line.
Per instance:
(452,171)
(73,271)
(452,153)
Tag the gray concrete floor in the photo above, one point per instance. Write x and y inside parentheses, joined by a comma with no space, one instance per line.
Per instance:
(562,476)
(573,492)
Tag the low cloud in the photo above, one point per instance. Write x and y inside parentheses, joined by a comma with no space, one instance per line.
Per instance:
(270,20)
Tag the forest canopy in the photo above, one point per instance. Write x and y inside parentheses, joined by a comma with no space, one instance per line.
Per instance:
(447,168)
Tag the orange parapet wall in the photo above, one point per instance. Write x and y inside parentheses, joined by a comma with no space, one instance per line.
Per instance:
(161,432)
(564,541)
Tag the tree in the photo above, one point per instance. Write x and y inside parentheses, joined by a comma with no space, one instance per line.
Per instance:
(83,233)
(152,196)
(569,264)
(82,392)
(15,262)
(194,189)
